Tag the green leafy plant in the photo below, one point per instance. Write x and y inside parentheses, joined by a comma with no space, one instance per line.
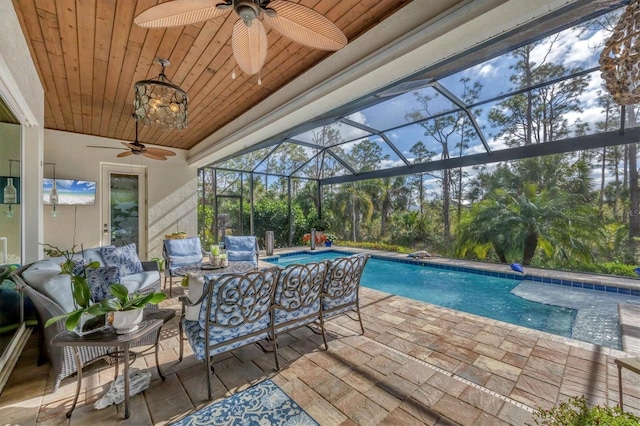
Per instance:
(320,224)
(123,301)
(330,237)
(576,412)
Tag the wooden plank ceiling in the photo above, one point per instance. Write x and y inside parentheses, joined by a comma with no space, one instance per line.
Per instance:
(89,54)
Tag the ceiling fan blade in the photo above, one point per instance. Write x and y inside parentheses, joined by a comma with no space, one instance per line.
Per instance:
(249,45)
(125,154)
(179,12)
(305,26)
(104,147)
(153,156)
(160,151)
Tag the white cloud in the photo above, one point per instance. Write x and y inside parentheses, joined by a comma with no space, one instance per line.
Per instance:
(387,164)
(358,117)
(571,48)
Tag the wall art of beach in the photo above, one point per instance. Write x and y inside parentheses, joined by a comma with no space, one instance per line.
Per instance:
(71,192)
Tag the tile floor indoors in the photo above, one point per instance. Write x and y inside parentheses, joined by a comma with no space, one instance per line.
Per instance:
(416,364)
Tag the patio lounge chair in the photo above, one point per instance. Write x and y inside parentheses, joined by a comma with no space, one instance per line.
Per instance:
(342,286)
(236,310)
(180,252)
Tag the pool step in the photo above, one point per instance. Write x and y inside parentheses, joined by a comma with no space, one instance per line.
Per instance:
(629,315)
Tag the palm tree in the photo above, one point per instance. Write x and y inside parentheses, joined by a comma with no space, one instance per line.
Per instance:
(522,222)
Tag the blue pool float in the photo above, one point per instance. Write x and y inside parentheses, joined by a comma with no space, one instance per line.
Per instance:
(518,267)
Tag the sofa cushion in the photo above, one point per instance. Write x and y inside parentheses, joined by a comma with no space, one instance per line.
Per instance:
(94,254)
(241,248)
(100,279)
(241,256)
(183,251)
(140,281)
(195,336)
(125,258)
(45,277)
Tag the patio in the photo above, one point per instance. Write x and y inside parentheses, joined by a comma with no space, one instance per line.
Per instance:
(416,364)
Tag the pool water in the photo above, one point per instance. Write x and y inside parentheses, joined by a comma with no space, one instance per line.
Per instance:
(489,297)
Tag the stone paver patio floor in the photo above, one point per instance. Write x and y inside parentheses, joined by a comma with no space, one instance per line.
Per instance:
(416,364)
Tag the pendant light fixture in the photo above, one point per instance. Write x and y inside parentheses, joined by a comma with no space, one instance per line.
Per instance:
(160,102)
(620,58)
(10,193)
(53,192)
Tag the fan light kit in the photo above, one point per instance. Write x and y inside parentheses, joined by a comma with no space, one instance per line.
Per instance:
(136,148)
(249,39)
(160,102)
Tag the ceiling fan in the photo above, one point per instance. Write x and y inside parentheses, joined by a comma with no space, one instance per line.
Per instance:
(136,148)
(249,39)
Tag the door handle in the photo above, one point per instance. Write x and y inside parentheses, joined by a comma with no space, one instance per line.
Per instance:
(105,228)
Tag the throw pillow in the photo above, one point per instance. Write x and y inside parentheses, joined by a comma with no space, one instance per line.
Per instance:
(100,279)
(125,258)
(78,266)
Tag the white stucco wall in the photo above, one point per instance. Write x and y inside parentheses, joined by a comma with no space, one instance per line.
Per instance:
(21,89)
(171,191)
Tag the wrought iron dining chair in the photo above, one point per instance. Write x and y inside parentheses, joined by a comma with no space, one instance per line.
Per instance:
(242,248)
(297,297)
(341,292)
(180,252)
(236,310)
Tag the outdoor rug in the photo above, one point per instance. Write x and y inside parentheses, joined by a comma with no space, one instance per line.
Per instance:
(264,404)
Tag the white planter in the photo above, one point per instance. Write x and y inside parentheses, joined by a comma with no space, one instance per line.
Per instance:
(127,321)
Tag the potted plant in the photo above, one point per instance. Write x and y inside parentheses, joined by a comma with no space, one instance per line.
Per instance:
(126,309)
(329,239)
(88,317)
(176,235)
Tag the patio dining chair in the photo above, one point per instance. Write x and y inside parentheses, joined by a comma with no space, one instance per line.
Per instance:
(242,248)
(341,292)
(235,311)
(180,252)
(297,297)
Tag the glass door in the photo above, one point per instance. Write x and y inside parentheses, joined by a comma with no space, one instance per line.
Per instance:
(13,330)
(124,209)
(228,216)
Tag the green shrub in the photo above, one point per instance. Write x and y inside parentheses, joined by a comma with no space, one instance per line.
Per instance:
(608,268)
(576,412)
(376,246)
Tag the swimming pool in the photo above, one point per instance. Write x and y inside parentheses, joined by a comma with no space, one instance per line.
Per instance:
(503,299)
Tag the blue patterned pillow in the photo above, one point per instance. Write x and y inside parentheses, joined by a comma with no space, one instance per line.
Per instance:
(100,279)
(78,266)
(125,258)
